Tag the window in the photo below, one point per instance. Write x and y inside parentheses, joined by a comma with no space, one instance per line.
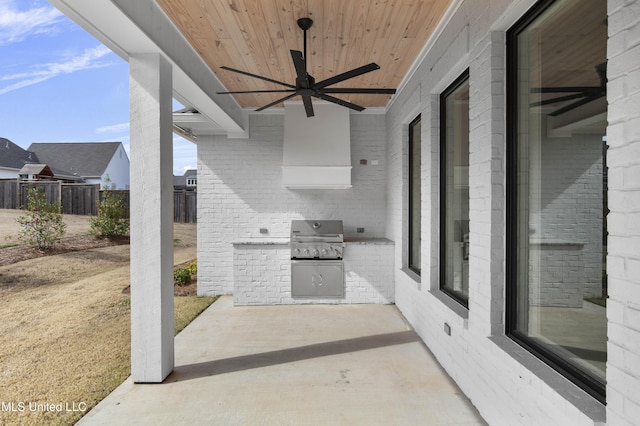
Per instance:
(415,198)
(556,188)
(454,190)
(191,182)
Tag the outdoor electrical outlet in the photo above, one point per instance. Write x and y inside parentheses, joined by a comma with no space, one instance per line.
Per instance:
(360,230)
(447,329)
(264,231)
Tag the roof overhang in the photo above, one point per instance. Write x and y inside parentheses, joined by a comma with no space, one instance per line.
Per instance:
(130,28)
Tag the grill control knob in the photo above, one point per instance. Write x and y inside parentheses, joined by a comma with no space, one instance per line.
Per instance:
(305,251)
(315,252)
(325,251)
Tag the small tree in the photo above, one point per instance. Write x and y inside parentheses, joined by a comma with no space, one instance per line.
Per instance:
(112,220)
(42,223)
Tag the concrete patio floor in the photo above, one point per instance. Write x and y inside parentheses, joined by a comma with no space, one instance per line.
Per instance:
(294,365)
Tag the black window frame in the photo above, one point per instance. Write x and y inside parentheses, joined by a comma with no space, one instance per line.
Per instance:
(581,379)
(412,166)
(464,77)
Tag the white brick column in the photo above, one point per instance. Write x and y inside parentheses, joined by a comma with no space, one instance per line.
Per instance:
(152,322)
(487,189)
(623,221)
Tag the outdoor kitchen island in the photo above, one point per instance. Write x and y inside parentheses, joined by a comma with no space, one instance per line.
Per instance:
(262,272)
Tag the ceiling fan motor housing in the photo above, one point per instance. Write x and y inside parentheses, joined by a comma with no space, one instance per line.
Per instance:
(305,23)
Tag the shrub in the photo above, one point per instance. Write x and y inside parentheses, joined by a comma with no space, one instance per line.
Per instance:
(181,276)
(42,223)
(193,267)
(112,220)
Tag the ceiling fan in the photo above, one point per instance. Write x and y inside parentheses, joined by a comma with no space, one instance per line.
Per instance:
(583,94)
(307,87)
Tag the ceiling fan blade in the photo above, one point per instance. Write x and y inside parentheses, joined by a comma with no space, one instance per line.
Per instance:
(308,106)
(338,101)
(277,102)
(347,75)
(372,91)
(258,76)
(301,70)
(575,105)
(256,91)
(559,99)
(306,86)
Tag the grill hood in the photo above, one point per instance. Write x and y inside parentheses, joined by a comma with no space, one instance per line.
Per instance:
(317,150)
(315,230)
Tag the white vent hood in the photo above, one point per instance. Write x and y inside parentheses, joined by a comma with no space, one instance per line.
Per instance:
(317,150)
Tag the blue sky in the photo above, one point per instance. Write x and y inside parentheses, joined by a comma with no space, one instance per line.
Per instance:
(59,84)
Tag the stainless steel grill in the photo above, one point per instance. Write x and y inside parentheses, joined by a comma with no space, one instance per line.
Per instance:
(316,258)
(317,239)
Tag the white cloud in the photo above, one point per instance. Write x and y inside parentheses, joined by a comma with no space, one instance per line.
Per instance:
(89,59)
(16,25)
(115,128)
(184,155)
(180,170)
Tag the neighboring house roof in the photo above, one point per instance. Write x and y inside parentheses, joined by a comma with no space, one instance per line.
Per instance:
(88,159)
(14,157)
(181,181)
(36,169)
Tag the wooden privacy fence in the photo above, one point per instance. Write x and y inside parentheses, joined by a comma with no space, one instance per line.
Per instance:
(185,206)
(79,199)
(83,199)
(9,194)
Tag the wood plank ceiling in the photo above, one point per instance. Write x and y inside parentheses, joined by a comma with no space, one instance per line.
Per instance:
(256,36)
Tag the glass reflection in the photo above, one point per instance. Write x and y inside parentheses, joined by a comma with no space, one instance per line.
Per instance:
(561,184)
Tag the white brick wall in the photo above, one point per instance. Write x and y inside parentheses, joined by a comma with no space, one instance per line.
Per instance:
(623,138)
(570,194)
(560,286)
(571,202)
(262,275)
(243,191)
(369,273)
(507,384)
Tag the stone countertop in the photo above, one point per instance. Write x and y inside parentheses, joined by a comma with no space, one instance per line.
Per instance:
(285,241)
(261,241)
(366,240)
